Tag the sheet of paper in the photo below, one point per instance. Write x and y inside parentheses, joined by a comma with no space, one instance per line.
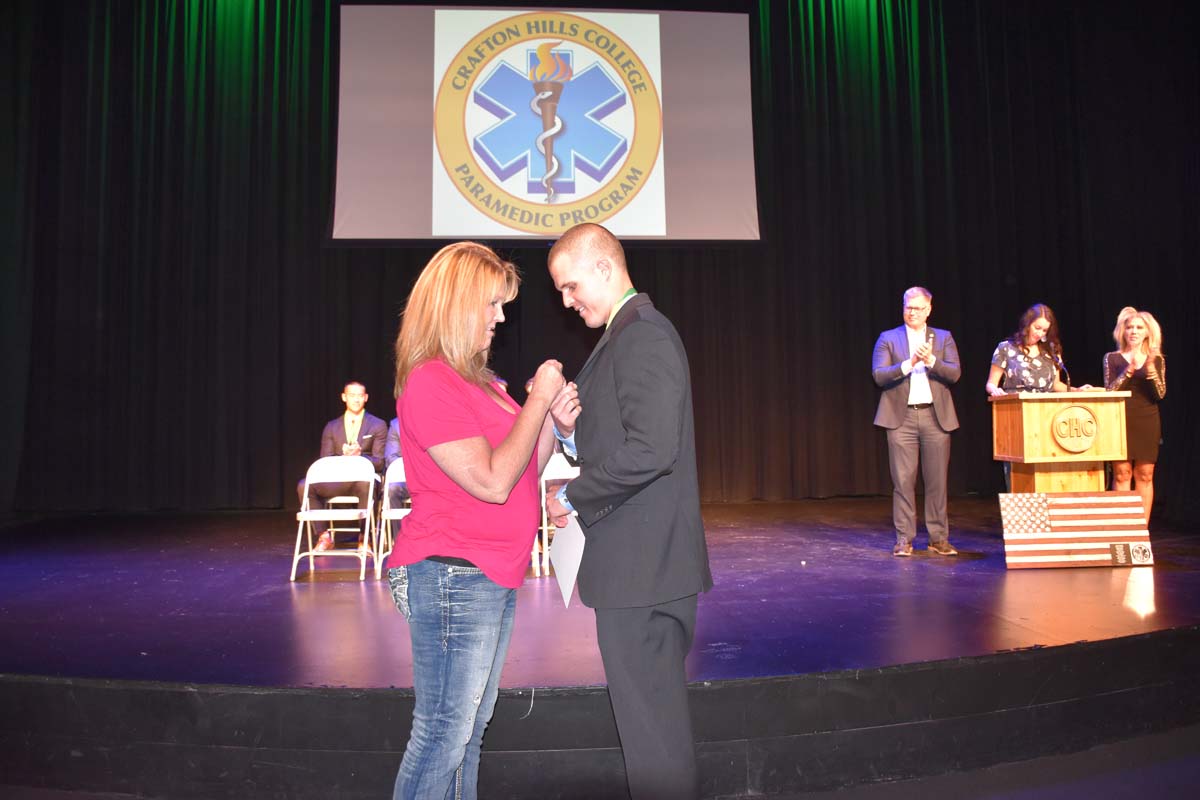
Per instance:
(566,551)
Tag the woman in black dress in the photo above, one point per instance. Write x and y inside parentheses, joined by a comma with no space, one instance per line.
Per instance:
(1139,367)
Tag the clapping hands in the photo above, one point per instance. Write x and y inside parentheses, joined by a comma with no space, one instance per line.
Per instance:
(924,354)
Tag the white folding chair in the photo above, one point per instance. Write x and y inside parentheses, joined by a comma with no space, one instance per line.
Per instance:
(337,469)
(389,514)
(558,468)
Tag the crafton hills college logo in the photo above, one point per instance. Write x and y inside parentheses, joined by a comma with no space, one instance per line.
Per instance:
(545,120)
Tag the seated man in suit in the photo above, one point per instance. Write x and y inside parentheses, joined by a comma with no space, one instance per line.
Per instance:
(399,491)
(354,433)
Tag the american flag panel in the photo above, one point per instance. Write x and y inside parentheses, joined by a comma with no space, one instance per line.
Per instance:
(1075,529)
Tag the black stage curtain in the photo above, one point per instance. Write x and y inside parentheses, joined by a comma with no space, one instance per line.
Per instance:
(177,326)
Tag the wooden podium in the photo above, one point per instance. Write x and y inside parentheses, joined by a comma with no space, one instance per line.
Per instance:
(1058,514)
(1058,441)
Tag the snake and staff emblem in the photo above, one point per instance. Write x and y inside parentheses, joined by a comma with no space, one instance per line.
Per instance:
(548,76)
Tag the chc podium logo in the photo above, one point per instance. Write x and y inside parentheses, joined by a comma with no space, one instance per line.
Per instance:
(545,120)
(1074,428)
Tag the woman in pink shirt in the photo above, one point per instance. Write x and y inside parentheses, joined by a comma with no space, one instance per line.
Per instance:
(472,457)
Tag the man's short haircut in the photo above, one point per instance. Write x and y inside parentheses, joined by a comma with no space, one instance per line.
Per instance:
(590,239)
(913,291)
(359,384)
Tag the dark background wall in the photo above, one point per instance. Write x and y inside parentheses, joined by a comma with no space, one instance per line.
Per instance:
(177,326)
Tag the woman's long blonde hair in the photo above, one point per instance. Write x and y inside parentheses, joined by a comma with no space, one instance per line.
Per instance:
(443,317)
(1152,344)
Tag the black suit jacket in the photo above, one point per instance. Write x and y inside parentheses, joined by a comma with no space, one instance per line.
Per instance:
(372,438)
(637,494)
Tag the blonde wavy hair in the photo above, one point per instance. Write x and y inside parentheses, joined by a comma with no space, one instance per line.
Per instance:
(443,317)
(1152,344)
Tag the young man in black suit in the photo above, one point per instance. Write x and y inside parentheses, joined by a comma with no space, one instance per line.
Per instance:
(637,499)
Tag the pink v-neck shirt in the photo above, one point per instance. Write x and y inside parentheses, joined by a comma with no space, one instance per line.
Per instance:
(438,406)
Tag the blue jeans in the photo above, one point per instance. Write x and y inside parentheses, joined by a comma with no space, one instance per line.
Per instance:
(460,623)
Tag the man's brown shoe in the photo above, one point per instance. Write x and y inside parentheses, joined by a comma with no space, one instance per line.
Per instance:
(903,549)
(943,548)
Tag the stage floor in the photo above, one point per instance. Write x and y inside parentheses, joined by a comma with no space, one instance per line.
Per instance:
(803,587)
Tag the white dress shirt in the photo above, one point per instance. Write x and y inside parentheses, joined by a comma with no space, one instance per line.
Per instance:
(918,384)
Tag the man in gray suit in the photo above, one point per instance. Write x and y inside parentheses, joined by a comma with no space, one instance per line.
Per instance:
(638,503)
(914,365)
(356,432)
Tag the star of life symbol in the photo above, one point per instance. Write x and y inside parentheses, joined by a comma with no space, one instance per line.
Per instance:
(550,122)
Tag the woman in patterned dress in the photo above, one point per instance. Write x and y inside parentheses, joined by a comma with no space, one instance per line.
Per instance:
(1030,360)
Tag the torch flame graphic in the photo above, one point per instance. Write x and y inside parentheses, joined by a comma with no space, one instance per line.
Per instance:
(548,76)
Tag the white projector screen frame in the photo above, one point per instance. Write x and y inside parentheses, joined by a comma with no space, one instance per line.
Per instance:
(439,136)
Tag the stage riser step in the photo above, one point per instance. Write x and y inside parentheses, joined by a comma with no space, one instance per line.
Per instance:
(765,736)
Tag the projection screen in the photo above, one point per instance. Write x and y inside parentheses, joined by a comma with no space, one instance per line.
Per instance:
(504,123)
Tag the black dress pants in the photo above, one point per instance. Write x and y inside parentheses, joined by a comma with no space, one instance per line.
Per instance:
(643,650)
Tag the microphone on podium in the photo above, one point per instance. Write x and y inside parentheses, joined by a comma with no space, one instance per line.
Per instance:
(1066,373)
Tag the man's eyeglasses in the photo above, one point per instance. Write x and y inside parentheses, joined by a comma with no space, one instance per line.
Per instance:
(916,309)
